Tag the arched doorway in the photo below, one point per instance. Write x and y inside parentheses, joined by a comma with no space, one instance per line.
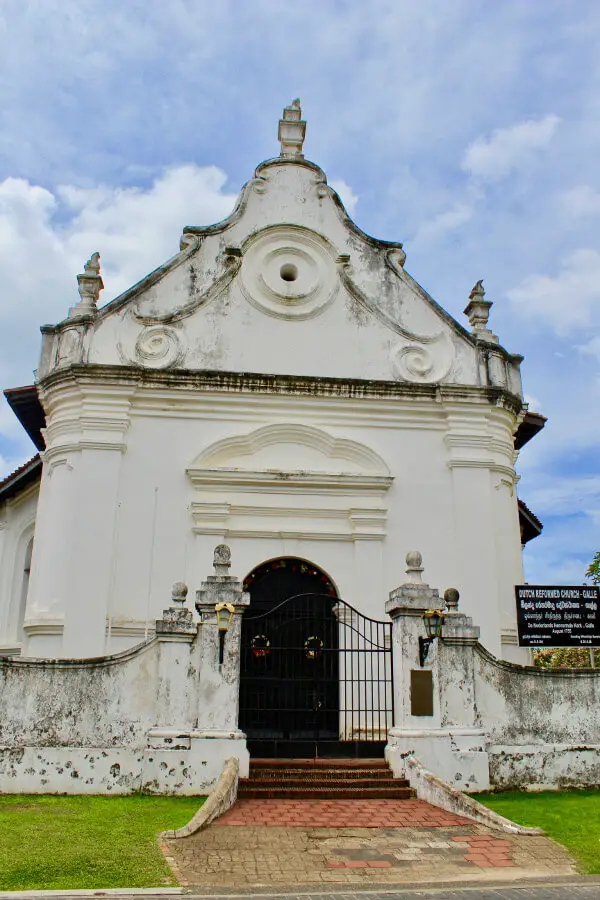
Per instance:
(290,687)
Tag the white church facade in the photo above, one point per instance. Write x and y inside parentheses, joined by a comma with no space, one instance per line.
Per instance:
(282,401)
(283,385)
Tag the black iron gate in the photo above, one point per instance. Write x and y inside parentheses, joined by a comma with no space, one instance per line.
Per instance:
(316,680)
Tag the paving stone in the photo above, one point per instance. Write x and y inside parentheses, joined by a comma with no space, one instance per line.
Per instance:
(338,813)
(232,857)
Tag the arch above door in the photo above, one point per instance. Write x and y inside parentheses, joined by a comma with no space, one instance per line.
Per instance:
(338,486)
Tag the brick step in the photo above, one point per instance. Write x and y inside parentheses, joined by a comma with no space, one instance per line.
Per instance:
(349,784)
(269,775)
(251,792)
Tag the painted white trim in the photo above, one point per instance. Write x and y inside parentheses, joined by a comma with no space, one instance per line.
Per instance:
(287,482)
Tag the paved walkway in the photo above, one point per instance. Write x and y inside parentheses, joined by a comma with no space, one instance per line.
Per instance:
(346,842)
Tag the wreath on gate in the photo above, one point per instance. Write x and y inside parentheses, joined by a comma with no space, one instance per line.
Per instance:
(313,647)
(260,646)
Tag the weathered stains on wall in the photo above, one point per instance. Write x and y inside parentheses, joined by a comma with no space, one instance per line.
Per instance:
(543,726)
(70,770)
(523,705)
(118,723)
(546,767)
(109,702)
(104,725)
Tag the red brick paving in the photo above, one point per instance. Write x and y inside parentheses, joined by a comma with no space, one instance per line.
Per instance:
(486,851)
(340,814)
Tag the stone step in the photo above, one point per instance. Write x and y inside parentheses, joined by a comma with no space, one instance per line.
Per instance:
(269,775)
(347,792)
(322,779)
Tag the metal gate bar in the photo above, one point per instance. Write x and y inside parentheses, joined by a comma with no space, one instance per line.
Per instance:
(316,678)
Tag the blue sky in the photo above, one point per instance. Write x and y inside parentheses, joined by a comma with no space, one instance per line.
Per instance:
(468,130)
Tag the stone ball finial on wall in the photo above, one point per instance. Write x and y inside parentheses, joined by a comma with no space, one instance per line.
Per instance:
(222,559)
(414,566)
(179,592)
(451,597)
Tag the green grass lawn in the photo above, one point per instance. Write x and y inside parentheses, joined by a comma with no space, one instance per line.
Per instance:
(87,842)
(570,817)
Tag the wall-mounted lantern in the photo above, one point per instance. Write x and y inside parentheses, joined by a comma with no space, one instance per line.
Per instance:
(225,612)
(434,620)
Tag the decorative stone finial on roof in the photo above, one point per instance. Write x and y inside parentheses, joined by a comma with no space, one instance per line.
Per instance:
(292,129)
(89,284)
(478,311)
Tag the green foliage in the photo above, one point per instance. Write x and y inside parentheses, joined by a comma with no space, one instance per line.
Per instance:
(64,843)
(570,817)
(570,657)
(593,570)
(563,658)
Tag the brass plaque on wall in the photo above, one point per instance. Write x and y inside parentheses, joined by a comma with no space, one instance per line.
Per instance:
(421,692)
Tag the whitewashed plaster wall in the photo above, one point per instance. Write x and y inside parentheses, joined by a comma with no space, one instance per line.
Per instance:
(284,317)
(347,483)
(17,526)
(542,726)
(110,725)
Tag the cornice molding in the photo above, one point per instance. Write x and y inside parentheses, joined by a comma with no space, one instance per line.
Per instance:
(507,471)
(42,627)
(105,377)
(78,446)
(280,482)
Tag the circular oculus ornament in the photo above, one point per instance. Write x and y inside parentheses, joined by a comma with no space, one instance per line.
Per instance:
(289,273)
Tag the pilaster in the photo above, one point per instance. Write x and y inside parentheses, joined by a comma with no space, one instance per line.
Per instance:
(85,441)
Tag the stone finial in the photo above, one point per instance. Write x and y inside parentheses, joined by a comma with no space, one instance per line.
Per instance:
(179,592)
(89,285)
(414,595)
(177,621)
(222,559)
(451,597)
(92,266)
(414,567)
(478,311)
(292,129)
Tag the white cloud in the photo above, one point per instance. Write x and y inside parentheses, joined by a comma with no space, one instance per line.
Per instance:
(567,301)
(495,157)
(533,403)
(580,494)
(347,195)
(592,347)
(581,201)
(449,220)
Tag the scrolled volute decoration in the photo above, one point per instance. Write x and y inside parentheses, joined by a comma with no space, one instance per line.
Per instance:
(158,347)
(426,364)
